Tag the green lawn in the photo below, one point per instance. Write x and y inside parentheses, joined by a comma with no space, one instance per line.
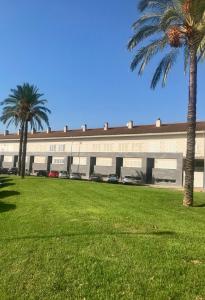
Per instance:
(64,239)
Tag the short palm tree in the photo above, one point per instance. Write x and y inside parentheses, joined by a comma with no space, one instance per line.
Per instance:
(174,26)
(29,109)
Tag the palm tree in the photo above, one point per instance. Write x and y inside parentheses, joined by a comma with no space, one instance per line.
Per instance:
(174,26)
(31,110)
(11,114)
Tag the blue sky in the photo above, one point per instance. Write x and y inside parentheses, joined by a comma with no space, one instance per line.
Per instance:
(75,52)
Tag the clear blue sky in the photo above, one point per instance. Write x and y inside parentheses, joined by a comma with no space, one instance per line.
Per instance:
(75,52)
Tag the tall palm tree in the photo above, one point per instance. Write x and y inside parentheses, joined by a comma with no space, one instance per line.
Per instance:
(174,26)
(11,115)
(26,100)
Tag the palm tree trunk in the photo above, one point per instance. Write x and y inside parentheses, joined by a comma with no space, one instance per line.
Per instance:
(191,131)
(20,148)
(23,163)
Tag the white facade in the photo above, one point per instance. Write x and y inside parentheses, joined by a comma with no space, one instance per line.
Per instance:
(135,149)
(149,144)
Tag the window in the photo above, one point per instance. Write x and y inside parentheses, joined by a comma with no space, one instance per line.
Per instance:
(82,161)
(57,148)
(132,162)
(166,163)
(199,165)
(58,160)
(40,159)
(104,161)
(53,148)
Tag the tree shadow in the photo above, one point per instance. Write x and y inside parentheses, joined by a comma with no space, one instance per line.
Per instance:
(5,181)
(4,207)
(6,184)
(69,235)
(6,194)
(5,178)
(200,205)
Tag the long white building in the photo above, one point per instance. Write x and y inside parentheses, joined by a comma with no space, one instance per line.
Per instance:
(155,152)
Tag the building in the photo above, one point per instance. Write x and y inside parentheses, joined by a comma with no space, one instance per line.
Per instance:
(154,152)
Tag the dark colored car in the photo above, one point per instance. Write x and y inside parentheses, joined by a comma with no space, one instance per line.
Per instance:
(75,176)
(53,174)
(12,171)
(112,178)
(4,170)
(41,173)
(96,177)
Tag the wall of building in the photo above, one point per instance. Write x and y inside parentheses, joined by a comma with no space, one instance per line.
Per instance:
(175,143)
(167,151)
(198,179)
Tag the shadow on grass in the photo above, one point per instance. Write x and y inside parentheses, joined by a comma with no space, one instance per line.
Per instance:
(4,207)
(44,237)
(6,184)
(6,194)
(5,181)
(200,205)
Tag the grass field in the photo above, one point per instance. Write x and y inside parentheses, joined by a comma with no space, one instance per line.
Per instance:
(62,239)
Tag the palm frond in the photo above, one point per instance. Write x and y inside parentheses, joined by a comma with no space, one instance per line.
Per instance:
(171,17)
(201,50)
(143,33)
(197,10)
(148,19)
(164,67)
(145,54)
(154,4)
(25,104)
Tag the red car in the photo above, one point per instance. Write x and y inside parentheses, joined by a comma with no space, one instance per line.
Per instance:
(53,174)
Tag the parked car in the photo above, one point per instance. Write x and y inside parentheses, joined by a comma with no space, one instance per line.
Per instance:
(96,177)
(12,171)
(53,174)
(40,173)
(3,170)
(63,175)
(75,176)
(112,178)
(131,180)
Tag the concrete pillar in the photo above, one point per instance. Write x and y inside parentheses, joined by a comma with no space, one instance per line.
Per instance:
(144,169)
(114,163)
(179,179)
